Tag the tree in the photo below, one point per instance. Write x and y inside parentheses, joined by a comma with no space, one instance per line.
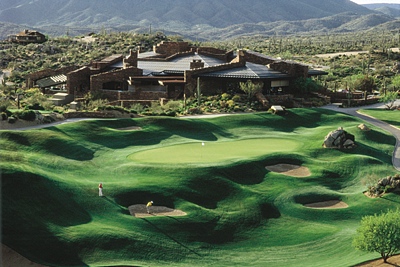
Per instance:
(379,233)
(250,88)
(396,81)
(389,98)
(365,84)
(306,85)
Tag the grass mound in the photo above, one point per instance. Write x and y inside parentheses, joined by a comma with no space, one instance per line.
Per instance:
(237,210)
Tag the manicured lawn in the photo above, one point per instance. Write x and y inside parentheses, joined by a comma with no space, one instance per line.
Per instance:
(214,152)
(390,116)
(238,212)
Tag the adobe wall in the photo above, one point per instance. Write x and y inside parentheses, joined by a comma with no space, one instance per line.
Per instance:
(33,77)
(122,75)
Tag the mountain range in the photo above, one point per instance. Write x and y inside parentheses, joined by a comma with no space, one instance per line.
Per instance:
(202,19)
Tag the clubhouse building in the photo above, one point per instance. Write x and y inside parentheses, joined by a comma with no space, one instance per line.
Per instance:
(173,70)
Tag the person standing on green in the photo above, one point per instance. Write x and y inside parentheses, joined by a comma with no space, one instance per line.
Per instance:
(100,190)
(149,204)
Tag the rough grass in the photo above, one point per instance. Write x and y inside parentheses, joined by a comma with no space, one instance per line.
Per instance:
(239,213)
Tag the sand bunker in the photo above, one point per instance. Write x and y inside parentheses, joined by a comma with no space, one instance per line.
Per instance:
(330,204)
(290,170)
(132,128)
(139,211)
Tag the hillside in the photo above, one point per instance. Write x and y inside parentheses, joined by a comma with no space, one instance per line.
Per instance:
(200,18)
(220,13)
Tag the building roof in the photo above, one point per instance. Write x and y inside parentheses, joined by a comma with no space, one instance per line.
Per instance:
(177,65)
(51,81)
(249,71)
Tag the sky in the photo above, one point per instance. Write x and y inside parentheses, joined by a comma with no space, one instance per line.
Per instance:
(362,2)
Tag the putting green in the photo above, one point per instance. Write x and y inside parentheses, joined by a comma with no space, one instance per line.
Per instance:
(214,152)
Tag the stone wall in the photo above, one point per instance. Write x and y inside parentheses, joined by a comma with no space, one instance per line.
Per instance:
(33,77)
(122,75)
(106,62)
(216,53)
(170,48)
(78,81)
(256,58)
(131,60)
(190,75)
(137,95)
(292,68)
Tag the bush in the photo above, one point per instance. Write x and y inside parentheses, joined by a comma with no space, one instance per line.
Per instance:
(4,116)
(35,106)
(12,119)
(27,115)
(137,108)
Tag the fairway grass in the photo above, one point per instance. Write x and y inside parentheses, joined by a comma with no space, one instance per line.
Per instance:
(214,152)
(238,213)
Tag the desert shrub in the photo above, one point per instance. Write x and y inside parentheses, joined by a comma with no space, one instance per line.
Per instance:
(3,116)
(236,98)
(225,96)
(173,105)
(95,104)
(27,115)
(11,119)
(384,185)
(59,110)
(115,108)
(230,103)
(5,104)
(137,108)
(156,108)
(35,106)
(194,110)
(48,119)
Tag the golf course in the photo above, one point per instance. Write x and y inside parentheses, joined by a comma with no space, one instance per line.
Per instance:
(246,190)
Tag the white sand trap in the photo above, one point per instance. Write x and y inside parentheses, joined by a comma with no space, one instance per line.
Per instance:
(139,211)
(290,170)
(132,128)
(330,204)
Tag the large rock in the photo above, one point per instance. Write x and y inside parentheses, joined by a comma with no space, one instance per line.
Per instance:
(339,139)
(364,127)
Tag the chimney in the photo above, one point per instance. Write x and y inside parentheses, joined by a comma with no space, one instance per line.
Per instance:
(131,60)
(196,64)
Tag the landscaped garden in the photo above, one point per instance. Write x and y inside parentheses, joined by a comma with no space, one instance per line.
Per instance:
(236,210)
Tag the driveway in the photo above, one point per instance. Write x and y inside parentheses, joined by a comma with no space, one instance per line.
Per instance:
(378,123)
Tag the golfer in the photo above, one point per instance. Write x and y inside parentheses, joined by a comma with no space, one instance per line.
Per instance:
(148,206)
(100,190)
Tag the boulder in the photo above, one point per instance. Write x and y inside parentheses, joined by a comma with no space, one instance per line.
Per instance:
(364,127)
(339,139)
